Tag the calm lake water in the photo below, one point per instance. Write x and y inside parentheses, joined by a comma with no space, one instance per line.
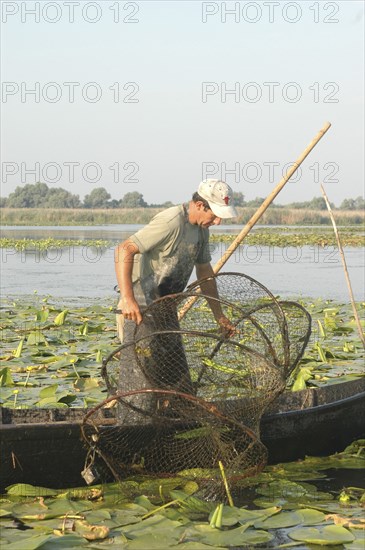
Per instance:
(88,272)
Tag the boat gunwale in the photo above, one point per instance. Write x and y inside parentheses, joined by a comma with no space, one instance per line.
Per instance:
(64,424)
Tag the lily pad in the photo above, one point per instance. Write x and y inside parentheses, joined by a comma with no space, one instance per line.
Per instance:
(29,543)
(328,535)
(26,490)
(232,537)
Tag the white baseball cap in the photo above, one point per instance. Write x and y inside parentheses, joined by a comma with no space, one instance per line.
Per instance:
(219,196)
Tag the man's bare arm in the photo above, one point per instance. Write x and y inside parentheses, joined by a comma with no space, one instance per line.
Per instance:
(209,288)
(124,260)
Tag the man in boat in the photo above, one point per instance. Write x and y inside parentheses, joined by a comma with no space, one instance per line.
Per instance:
(157,261)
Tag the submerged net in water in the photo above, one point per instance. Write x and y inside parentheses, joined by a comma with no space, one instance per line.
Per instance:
(185,394)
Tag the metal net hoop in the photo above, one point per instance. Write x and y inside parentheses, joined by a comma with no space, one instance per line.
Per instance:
(184,394)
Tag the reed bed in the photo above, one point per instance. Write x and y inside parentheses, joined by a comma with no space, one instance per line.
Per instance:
(83,216)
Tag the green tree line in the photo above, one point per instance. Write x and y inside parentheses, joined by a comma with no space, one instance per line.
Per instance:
(39,195)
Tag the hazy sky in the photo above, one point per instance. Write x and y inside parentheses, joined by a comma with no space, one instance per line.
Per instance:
(155,95)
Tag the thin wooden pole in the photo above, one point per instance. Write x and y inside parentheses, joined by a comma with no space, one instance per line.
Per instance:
(260,211)
(255,218)
(347,277)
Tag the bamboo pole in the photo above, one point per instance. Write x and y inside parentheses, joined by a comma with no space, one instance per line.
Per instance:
(260,211)
(343,259)
(269,199)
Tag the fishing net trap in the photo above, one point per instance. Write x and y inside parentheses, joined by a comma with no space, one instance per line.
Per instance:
(185,395)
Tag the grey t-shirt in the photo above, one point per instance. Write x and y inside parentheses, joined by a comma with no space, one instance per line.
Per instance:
(170,246)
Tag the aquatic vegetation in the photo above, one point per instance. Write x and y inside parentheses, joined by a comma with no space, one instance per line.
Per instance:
(335,352)
(41,245)
(157,513)
(292,236)
(51,352)
(297,237)
(51,355)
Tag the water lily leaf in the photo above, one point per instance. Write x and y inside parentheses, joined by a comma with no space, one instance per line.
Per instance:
(29,543)
(289,490)
(340,460)
(97,516)
(135,508)
(304,374)
(49,402)
(154,486)
(232,537)
(142,500)
(85,384)
(30,510)
(153,541)
(295,471)
(328,535)
(26,490)
(282,488)
(6,509)
(49,391)
(121,518)
(5,377)
(198,546)
(67,398)
(279,521)
(42,315)
(53,359)
(39,510)
(60,318)
(60,507)
(233,515)
(157,524)
(84,329)
(67,542)
(310,517)
(359,537)
(357,544)
(230,516)
(196,505)
(35,338)
(91,532)
(18,351)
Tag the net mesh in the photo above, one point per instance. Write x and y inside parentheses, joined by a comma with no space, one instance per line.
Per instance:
(187,395)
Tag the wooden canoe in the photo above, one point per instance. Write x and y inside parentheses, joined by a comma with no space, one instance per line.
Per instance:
(44,446)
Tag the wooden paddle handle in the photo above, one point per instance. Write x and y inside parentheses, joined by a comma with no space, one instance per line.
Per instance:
(259,212)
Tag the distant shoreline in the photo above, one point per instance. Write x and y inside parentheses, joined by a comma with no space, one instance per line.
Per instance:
(82,216)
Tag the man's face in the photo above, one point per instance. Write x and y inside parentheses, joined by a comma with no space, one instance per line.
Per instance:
(206,218)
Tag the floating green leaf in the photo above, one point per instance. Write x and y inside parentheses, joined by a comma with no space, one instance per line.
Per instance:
(49,391)
(18,351)
(35,338)
(26,490)
(5,377)
(42,315)
(304,374)
(29,543)
(233,537)
(328,535)
(60,318)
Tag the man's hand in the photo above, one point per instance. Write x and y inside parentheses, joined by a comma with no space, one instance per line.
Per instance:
(130,310)
(227,329)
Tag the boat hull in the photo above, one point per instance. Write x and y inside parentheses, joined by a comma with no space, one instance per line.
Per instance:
(44,447)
